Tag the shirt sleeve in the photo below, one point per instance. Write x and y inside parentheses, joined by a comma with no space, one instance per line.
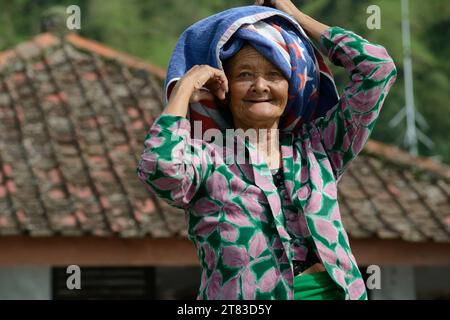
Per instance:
(173,165)
(345,129)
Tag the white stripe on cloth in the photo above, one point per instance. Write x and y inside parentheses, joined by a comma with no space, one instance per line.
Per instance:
(269,32)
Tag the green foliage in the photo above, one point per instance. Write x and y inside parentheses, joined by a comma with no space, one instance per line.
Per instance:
(149,29)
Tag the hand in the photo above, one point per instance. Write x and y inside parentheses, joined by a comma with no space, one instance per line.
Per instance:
(317,267)
(283,5)
(312,27)
(203,82)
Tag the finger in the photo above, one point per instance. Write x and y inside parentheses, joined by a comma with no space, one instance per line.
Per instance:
(209,77)
(199,95)
(223,80)
(216,88)
(218,80)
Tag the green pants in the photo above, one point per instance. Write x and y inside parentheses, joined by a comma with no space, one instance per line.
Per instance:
(317,286)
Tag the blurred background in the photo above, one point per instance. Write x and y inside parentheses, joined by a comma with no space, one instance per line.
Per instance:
(72,98)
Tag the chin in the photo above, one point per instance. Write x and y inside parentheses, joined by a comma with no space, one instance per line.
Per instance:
(263,112)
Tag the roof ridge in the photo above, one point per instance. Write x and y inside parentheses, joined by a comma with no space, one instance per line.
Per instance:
(47,39)
(398,156)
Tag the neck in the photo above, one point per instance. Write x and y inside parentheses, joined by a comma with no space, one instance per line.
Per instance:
(266,140)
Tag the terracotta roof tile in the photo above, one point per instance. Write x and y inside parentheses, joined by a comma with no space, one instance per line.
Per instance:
(73,116)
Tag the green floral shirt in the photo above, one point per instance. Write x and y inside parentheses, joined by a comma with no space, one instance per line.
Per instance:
(245,230)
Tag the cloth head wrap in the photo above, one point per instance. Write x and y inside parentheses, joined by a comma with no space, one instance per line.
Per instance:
(277,37)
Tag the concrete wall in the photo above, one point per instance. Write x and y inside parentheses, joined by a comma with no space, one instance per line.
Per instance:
(25,283)
(412,283)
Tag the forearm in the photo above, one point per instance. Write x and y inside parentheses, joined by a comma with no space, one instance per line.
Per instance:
(346,128)
(172,165)
(179,101)
(311,26)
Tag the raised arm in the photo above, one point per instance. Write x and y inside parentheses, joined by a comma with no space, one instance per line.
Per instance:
(345,129)
(173,165)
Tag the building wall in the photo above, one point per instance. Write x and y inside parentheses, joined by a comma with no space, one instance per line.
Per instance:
(412,283)
(174,283)
(25,283)
(433,282)
(397,282)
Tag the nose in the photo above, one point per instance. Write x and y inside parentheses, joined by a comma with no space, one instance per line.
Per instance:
(260,85)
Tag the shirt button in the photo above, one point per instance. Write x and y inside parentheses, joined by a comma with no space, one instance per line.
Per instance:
(286,197)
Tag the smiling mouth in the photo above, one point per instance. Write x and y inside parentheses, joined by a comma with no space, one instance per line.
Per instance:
(258,101)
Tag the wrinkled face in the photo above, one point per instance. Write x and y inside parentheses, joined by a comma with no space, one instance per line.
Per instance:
(258,89)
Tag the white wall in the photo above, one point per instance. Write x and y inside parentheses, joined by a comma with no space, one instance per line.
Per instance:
(397,283)
(27,283)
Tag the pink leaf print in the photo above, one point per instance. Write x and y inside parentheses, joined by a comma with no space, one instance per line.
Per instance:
(230,291)
(168,168)
(327,255)
(286,151)
(304,175)
(329,135)
(343,259)
(210,256)
(382,71)
(183,195)
(326,230)
(364,101)
(303,193)
(316,178)
(218,187)
(206,225)
(235,215)
(335,214)
(275,204)
(148,162)
(268,280)
(356,289)
(237,186)
(367,119)
(253,206)
(303,226)
(347,140)
(204,207)
(166,183)
(314,203)
(338,275)
(376,51)
(257,245)
(337,160)
(360,140)
(228,232)
(154,142)
(203,281)
(248,284)
(235,256)
(330,190)
(214,285)
(263,182)
(288,276)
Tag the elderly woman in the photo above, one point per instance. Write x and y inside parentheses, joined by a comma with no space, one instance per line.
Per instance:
(268,227)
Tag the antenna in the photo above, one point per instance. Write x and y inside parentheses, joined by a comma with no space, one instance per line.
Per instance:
(415,122)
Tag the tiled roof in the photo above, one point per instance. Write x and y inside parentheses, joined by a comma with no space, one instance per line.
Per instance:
(73,116)
(387,193)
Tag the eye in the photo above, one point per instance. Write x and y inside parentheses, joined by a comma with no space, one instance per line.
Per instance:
(274,75)
(245,74)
